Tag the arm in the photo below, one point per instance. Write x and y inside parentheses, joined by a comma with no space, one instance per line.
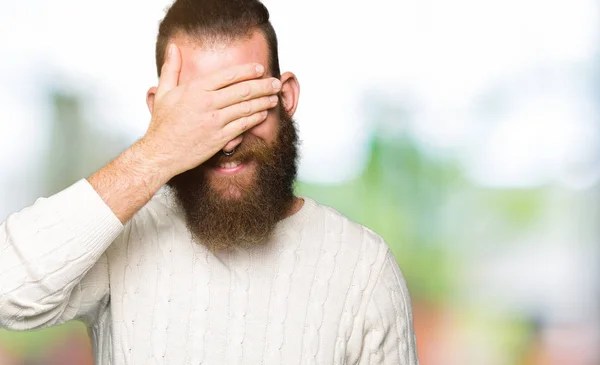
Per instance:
(46,250)
(51,265)
(389,337)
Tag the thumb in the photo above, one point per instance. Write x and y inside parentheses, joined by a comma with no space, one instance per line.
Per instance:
(169,73)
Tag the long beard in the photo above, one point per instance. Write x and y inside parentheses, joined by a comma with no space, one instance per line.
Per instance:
(227,211)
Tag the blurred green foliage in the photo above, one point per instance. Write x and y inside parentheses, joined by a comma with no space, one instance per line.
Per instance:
(31,343)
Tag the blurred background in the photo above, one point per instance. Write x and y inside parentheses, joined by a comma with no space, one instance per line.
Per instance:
(465,132)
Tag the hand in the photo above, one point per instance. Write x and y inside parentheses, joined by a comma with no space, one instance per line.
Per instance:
(192,122)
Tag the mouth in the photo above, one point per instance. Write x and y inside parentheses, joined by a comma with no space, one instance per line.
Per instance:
(230,167)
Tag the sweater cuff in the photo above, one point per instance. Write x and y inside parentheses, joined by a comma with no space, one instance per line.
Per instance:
(88,216)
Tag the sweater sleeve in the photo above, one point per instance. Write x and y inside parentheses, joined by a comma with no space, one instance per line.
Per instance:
(52,267)
(388,331)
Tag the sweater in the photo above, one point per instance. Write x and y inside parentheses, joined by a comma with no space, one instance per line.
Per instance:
(322,290)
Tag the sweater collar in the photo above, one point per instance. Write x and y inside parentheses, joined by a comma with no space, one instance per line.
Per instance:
(297,220)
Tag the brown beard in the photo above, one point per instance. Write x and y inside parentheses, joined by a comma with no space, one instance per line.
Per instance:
(228,211)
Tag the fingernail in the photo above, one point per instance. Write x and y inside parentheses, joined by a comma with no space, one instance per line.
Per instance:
(171,50)
(260,69)
(276,84)
(273,98)
(264,114)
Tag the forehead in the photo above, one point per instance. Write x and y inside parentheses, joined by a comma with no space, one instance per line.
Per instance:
(201,60)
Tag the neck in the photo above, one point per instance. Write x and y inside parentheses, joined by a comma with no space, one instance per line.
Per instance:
(297,204)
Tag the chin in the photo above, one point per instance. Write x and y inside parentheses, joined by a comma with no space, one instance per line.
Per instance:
(231,192)
(231,188)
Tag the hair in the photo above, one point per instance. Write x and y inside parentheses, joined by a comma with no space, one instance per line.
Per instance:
(207,21)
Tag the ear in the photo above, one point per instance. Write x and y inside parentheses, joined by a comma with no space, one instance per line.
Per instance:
(290,92)
(150,98)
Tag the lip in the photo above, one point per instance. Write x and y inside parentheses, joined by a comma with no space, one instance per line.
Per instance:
(230,171)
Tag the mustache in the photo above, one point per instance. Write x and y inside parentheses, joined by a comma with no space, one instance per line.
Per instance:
(251,148)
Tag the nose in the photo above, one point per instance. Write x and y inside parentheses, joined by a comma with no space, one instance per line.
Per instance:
(232,145)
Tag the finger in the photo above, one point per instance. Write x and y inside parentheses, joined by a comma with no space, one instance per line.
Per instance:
(169,73)
(233,143)
(231,76)
(243,91)
(246,108)
(239,126)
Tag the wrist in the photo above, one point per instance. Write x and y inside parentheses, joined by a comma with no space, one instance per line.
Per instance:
(130,181)
(147,161)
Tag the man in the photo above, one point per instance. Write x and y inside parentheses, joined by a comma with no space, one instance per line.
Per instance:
(226,265)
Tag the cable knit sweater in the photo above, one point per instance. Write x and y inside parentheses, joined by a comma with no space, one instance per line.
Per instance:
(323,290)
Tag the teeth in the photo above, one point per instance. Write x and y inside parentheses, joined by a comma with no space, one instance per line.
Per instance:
(230,165)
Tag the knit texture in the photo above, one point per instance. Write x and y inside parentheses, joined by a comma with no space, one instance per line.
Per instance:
(322,290)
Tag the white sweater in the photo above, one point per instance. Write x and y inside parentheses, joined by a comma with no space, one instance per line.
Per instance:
(324,290)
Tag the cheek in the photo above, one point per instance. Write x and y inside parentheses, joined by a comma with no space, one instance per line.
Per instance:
(267,130)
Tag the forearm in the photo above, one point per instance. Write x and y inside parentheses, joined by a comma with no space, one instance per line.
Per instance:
(129,182)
